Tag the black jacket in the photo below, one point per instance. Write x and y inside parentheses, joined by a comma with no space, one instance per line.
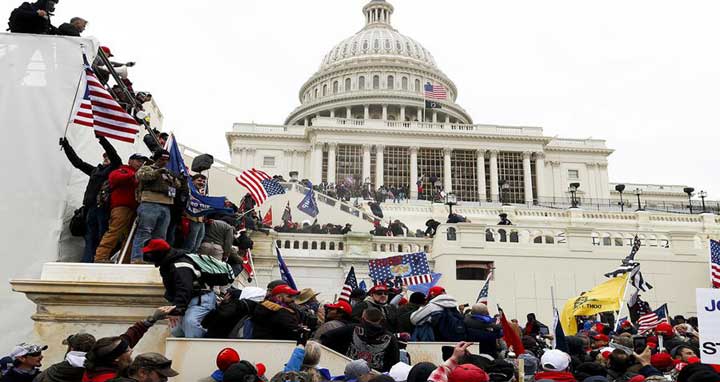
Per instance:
(404,312)
(24,19)
(98,174)
(341,339)
(272,321)
(67,29)
(484,332)
(221,321)
(389,311)
(15,376)
(180,281)
(61,372)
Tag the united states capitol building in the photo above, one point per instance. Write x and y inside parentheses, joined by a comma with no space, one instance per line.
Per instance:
(362,119)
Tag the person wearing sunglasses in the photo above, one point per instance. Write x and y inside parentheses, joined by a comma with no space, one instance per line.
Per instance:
(27,360)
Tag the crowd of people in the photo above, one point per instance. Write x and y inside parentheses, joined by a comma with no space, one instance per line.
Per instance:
(373,330)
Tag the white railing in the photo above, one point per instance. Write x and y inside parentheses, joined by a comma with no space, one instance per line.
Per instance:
(424,126)
(307,245)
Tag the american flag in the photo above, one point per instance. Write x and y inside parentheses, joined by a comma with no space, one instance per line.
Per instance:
(436,91)
(485,291)
(287,214)
(350,284)
(651,320)
(412,269)
(99,110)
(247,265)
(260,185)
(715,263)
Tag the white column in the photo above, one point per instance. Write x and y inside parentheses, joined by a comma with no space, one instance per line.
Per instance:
(384,112)
(494,181)
(331,162)
(482,191)
(379,163)
(250,161)
(419,114)
(604,181)
(447,171)
(413,173)
(306,121)
(402,113)
(316,163)
(540,175)
(434,117)
(558,190)
(288,161)
(527,177)
(447,118)
(332,113)
(348,112)
(366,163)
(367,111)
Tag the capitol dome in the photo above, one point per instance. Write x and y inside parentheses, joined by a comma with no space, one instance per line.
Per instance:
(378,73)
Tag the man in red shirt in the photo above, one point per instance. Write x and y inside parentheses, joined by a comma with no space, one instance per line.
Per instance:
(123,204)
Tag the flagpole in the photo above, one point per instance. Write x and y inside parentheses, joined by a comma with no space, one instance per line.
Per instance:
(252,265)
(622,302)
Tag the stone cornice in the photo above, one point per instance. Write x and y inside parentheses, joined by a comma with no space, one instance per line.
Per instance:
(579,150)
(430,133)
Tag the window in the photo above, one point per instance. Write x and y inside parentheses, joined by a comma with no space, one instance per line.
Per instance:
(397,167)
(431,164)
(316,92)
(269,161)
(417,86)
(510,170)
(348,159)
(464,179)
(573,174)
(404,83)
(376,82)
(336,87)
(324,90)
(473,270)
(391,82)
(348,86)
(361,83)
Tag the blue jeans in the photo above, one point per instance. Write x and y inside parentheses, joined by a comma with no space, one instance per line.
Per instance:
(194,237)
(189,325)
(96,223)
(153,220)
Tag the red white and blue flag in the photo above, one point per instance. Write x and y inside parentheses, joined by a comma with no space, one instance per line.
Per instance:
(350,284)
(260,185)
(99,110)
(715,263)
(435,91)
(485,291)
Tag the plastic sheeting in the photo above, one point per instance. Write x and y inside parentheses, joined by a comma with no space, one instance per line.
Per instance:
(39,76)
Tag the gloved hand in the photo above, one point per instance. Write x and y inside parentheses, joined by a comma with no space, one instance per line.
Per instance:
(63,142)
(160,313)
(303,336)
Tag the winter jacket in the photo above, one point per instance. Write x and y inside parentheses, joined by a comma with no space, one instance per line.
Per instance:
(404,312)
(131,337)
(67,29)
(483,330)
(98,174)
(389,311)
(122,186)
(373,343)
(557,376)
(220,233)
(100,375)
(15,375)
(273,321)
(436,305)
(221,321)
(70,370)
(180,280)
(28,21)
(157,185)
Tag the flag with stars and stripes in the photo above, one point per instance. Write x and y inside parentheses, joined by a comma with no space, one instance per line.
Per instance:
(287,214)
(485,291)
(435,91)
(409,269)
(715,263)
(260,185)
(99,110)
(350,284)
(652,319)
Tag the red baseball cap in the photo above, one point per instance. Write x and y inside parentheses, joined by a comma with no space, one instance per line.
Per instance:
(468,373)
(664,328)
(661,360)
(435,291)
(156,245)
(341,305)
(284,289)
(226,358)
(106,50)
(601,337)
(378,288)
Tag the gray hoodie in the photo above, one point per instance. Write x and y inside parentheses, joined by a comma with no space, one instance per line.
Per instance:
(435,305)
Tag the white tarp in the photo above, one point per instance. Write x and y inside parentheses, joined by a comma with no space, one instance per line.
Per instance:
(708,311)
(38,80)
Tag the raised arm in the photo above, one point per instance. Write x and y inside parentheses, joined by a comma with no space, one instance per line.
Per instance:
(74,159)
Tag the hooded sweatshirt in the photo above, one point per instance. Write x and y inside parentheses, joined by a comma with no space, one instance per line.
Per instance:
(436,305)
(70,370)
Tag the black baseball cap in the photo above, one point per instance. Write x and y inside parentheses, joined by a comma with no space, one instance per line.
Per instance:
(156,362)
(137,156)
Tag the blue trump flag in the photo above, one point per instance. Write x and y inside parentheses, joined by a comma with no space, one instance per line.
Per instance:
(363,286)
(284,271)
(308,204)
(198,204)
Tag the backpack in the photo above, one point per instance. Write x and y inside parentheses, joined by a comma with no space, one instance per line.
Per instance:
(13,20)
(450,326)
(77,222)
(423,333)
(103,196)
(211,271)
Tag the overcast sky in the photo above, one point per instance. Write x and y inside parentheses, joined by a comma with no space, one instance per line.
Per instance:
(644,75)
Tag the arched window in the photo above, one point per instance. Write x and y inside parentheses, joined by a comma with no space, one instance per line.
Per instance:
(361,83)
(376,82)
(391,82)
(348,84)
(417,86)
(313,245)
(335,87)
(324,90)
(404,83)
(332,246)
(316,92)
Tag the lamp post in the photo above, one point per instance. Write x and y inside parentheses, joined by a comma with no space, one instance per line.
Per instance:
(702,196)
(450,200)
(689,191)
(573,194)
(638,192)
(293,176)
(620,188)
(504,188)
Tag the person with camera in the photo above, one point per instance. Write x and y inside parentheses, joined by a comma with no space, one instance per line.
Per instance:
(33,18)
(157,187)
(96,218)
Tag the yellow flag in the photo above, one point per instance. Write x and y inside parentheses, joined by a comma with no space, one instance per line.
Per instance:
(605,297)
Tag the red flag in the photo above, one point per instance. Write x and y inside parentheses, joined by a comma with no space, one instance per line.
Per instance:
(267,220)
(247,265)
(510,335)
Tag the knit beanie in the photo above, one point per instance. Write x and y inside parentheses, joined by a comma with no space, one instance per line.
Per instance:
(421,372)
